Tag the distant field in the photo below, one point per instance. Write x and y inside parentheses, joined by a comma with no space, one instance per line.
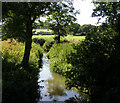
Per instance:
(42,30)
(46,37)
(69,37)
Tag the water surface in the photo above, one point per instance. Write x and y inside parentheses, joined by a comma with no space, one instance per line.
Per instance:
(53,84)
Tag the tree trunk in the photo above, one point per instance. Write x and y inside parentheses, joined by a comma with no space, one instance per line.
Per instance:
(58,38)
(25,61)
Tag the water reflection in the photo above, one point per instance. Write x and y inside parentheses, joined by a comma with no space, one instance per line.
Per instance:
(53,84)
(54,88)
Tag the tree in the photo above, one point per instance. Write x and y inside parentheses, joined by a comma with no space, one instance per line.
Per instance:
(110,10)
(18,19)
(86,28)
(82,30)
(97,68)
(60,15)
(75,28)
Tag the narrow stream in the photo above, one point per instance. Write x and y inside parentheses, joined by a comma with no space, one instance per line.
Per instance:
(53,84)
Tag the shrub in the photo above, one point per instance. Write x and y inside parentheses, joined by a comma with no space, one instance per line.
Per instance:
(47,45)
(36,54)
(20,84)
(39,41)
(95,67)
(58,54)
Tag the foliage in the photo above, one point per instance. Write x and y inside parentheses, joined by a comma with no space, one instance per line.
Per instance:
(58,57)
(59,16)
(19,84)
(109,10)
(74,28)
(47,45)
(13,51)
(95,66)
(36,55)
(85,29)
(39,41)
(18,19)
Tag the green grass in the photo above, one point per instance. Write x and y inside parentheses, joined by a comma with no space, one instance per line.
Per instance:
(46,37)
(69,37)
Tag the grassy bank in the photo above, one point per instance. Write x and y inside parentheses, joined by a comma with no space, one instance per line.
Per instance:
(58,55)
(20,84)
(58,52)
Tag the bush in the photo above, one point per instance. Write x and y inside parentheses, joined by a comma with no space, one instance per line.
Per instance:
(39,41)
(95,67)
(36,54)
(47,45)
(56,38)
(58,54)
(20,84)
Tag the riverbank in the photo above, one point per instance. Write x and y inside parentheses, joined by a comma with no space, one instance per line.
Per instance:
(58,56)
(19,84)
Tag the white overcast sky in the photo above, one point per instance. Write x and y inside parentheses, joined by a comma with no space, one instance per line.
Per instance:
(86,9)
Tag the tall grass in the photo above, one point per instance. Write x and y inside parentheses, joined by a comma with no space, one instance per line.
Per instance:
(12,51)
(58,57)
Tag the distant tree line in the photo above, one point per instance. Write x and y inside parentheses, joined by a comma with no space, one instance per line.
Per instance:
(72,29)
(77,29)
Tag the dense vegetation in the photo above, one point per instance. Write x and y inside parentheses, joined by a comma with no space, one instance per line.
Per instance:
(78,30)
(58,57)
(95,61)
(20,84)
(18,23)
(20,65)
(91,65)
(95,66)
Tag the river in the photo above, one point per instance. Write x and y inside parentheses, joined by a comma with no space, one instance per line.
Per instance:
(53,84)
